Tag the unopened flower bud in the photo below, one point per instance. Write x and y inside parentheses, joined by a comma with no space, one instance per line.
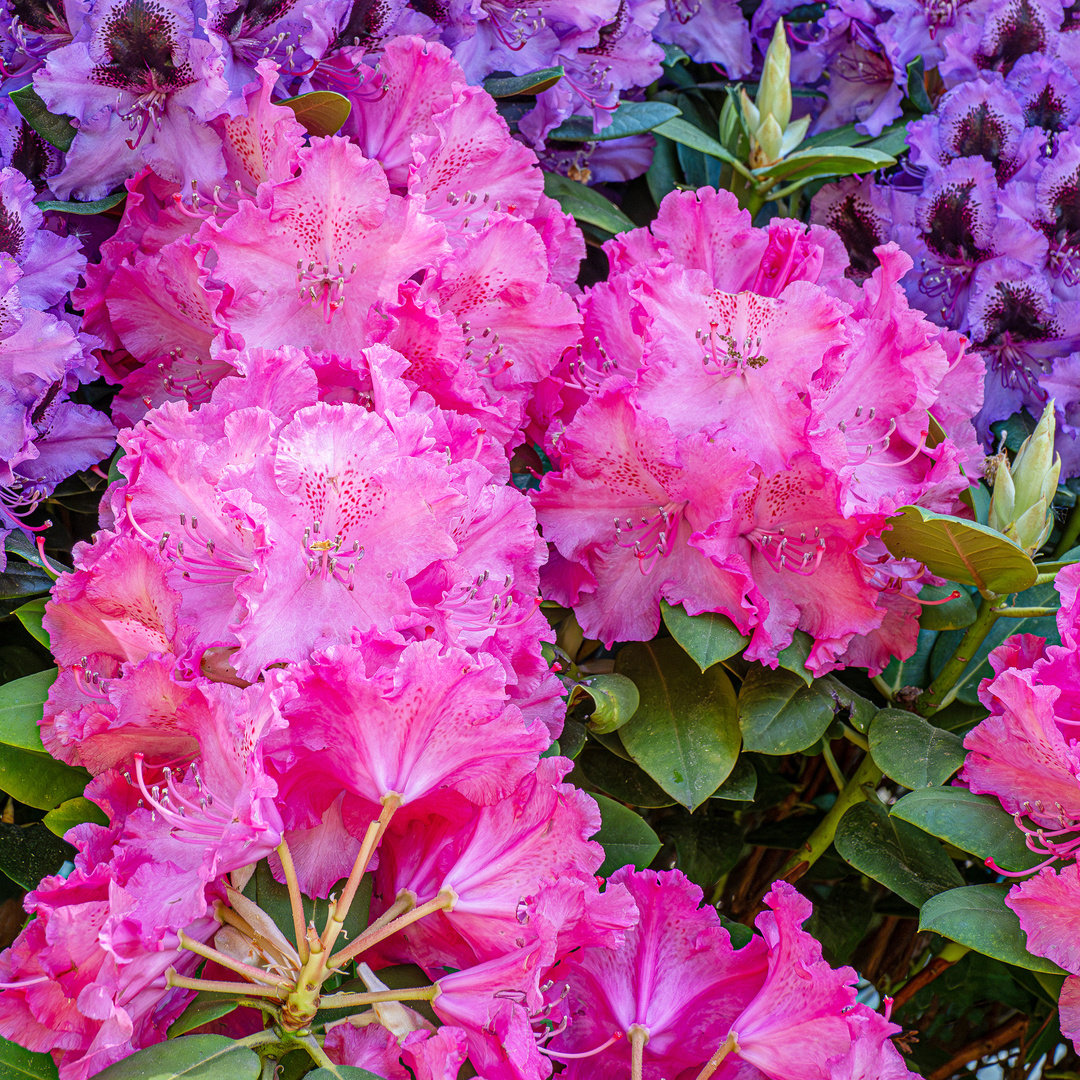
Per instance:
(774,90)
(1020,507)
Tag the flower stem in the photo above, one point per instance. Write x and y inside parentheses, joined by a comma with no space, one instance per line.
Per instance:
(340,910)
(377,931)
(1026,612)
(296,901)
(729,1045)
(311,1045)
(930,700)
(638,1038)
(249,972)
(819,840)
(409,993)
(245,989)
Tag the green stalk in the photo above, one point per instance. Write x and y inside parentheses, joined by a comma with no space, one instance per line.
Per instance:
(819,840)
(930,700)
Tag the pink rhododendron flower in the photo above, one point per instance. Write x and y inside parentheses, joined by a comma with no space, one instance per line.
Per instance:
(1025,753)
(751,339)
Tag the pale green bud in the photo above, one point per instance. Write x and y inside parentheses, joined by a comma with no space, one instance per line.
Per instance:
(1020,506)
(769,140)
(751,116)
(774,90)
(729,123)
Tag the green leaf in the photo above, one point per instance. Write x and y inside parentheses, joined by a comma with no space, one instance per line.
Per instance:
(860,710)
(976,916)
(74,812)
(685,734)
(825,161)
(585,204)
(630,118)
(916,87)
(893,139)
(205,1008)
(780,714)
(621,779)
(322,112)
(684,133)
(663,174)
(536,82)
(741,785)
(915,670)
(894,853)
(98,206)
(706,848)
(39,780)
(913,751)
(708,638)
(794,657)
(22,705)
(625,837)
(615,698)
(19,1064)
(1044,626)
(58,131)
(959,550)
(20,579)
(193,1057)
(970,822)
(340,1072)
(30,852)
(31,615)
(953,614)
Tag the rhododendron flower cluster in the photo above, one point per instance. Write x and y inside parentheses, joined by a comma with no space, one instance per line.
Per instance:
(986,208)
(1025,754)
(736,427)
(426,229)
(44,435)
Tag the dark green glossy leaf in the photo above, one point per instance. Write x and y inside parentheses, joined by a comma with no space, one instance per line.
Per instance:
(977,916)
(615,700)
(20,579)
(741,785)
(894,853)
(30,852)
(916,87)
(861,711)
(39,780)
(30,615)
(840,919)
(205,1008)
(915,670)
(913,751)
(322,112)
(953,614)
(630,118)
(708,638)
(22,704)
(585,205)
(684,133)
(970,822)
(663,174)
(621,778)
(960,550)
(780,714)
(819,161)
(536,82)
(59,131)
(74,812)
(192,1057)
(706,848)
(19,1064)
(794,657)
(685,734)
(625,837)
(893,139)
(1044,626)
(98,206)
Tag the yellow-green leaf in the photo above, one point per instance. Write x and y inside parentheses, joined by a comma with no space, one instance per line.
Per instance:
(322,112)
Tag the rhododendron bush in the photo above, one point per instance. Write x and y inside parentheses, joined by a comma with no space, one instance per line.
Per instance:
(539,541)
